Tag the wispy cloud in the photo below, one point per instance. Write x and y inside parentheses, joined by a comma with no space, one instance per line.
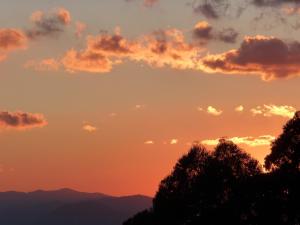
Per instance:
(149,142)
(264,140)
(89,128)
(150,3)
(140,106)
(274,110)
(50,64)
(80,28)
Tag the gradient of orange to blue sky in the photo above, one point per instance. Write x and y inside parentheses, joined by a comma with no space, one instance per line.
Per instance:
(104,96)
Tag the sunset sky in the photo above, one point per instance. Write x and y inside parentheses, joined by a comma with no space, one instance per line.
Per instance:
(105,96)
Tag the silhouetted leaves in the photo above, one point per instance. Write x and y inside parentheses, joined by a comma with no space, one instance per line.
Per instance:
(228,186)
(285,152)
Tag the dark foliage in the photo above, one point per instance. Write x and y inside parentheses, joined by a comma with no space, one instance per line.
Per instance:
(228,186)
(285,152)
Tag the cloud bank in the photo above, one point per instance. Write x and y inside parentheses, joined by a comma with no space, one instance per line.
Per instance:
(270,57)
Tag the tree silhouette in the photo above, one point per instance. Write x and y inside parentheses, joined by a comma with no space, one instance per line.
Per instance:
(228,186)
(200,185)
(285,151)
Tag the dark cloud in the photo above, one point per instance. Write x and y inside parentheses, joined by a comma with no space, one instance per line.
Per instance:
(115,44)
(211,9)
(21,120)
(272,3)
(203,32)
(270,57)
(48,24)
(228,35)
(207,10)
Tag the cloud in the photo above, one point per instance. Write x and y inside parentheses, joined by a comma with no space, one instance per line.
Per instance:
(274,110)
(43,65)
(86,61)
(48,24)
(150,3)
(89,128)
(269,57)
(206,9)
(174,142)
(112,45)
(113,114)
(140,107)
(203,32)
(213,111)
(264,140)
(272,3)
(228,35)
(80,28)
(158,49)
(21,120)
(147,3)
(11,40)
(239,108)
(149,142)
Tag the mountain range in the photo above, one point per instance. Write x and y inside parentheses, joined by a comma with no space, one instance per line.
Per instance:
(68,207)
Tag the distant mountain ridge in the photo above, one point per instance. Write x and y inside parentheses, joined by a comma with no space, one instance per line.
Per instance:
(68,207)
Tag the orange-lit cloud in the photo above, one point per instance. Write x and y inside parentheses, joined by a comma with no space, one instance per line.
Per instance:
(264,140)
(150,3)
(11,40)
(150,142)
(158,49)
(203,31)
(139,107)
(213,111)
(274,110)
(48,24)
(174,141)
(86,61)
(21,120)
(43,65)
(239,108)
(269,57)
(89,128)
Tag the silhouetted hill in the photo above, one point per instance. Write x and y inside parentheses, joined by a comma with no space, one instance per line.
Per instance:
(67,207)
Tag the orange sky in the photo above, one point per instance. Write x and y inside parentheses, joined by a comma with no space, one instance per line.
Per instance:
(93,101)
